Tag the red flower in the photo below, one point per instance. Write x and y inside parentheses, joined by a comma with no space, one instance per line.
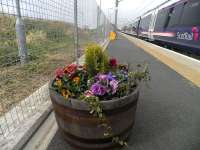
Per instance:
(59,73)
(113,62)
(70,69)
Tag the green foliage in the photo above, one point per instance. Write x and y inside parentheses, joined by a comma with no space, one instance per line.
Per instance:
(119,141)
(35,37)
(42,37)
(122,90)
(96,60)
(95,106)
(141,74)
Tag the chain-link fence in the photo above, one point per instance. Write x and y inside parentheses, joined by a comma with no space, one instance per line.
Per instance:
(37,36)
(93,23)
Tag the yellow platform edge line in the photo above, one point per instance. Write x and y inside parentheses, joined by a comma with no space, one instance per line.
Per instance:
(185,71)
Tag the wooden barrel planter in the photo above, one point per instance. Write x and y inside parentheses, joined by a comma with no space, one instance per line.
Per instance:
(83,131)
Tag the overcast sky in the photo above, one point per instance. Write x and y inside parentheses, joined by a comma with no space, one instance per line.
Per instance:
(62,10)
(130,9)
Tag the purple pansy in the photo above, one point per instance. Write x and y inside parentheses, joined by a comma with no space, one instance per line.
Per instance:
(110,76)
(104,77)
(98,89)
(105,83)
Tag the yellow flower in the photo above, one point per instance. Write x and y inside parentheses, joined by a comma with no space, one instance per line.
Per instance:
(84,67)
(59,83)
(65,93)
(76,80)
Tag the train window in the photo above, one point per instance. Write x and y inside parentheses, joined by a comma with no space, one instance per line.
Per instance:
(170,14)
(145,23)
(161,19)
(191,13)
(175,16)
(135,25)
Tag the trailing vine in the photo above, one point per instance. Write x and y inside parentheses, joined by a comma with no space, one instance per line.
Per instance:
(97,111)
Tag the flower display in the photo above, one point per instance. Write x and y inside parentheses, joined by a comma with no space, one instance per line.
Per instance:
(76,81)
(89,85)
(103,85)
(99,79)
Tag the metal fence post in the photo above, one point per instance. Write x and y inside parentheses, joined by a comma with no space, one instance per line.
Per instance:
(21,37)
(97,29)
(104,27)
(116,13)
(98,21)
(76,40)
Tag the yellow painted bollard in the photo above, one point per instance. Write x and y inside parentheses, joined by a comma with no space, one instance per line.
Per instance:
(113,35)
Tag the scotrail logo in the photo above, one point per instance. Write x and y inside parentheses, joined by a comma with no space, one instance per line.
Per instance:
(189,36)
(185,36)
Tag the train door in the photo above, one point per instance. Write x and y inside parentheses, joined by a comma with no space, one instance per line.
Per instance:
(152,24)
(138,27)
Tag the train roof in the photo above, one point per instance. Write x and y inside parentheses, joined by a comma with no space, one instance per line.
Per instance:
(165,5)
(175,3)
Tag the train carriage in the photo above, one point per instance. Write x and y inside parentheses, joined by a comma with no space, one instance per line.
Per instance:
(144,25)
(176,25)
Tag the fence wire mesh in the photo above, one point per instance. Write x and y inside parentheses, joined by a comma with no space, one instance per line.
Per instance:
(92,22)
(36,37)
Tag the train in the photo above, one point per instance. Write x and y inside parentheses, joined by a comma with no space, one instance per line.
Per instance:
(174,24)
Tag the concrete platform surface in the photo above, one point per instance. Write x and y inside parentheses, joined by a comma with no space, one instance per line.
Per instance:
(168,114)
